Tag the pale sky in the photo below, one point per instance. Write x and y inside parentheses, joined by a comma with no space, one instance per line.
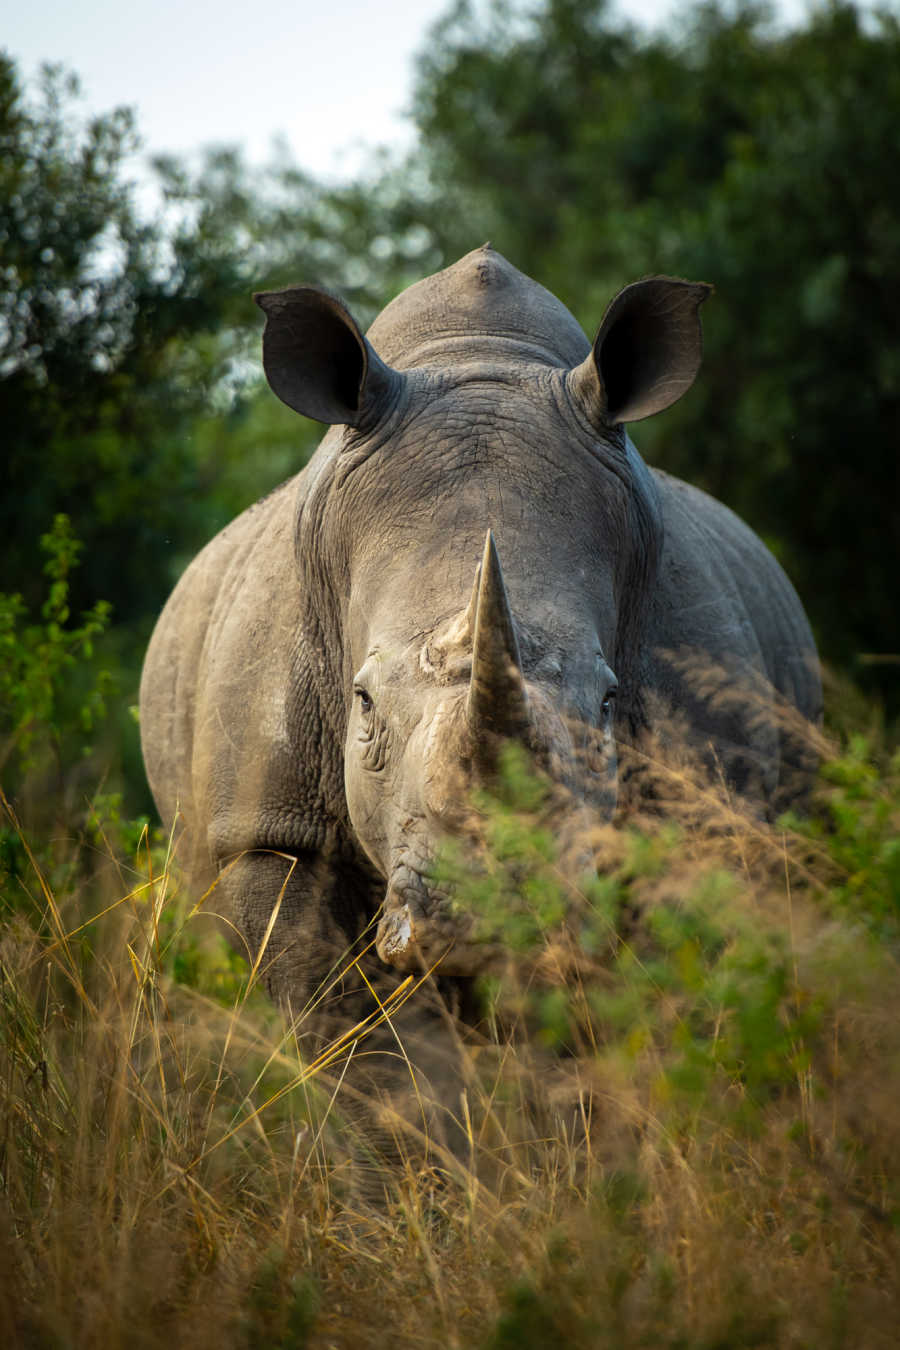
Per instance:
(330,77)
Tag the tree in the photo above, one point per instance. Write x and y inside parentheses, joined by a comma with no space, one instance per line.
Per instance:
(123,351)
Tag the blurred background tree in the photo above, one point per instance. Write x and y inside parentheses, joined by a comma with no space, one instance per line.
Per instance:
(120,340)
(589,152)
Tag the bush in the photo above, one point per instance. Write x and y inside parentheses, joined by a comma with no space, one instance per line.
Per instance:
(52,694)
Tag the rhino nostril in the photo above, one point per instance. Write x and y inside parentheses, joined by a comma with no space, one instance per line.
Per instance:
(394,934)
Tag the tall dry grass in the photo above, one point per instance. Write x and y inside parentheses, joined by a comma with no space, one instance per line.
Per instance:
(681,1106)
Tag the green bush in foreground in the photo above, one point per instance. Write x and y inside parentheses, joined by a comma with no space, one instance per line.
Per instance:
(51,693)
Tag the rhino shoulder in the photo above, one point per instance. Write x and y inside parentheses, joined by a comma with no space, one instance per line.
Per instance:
(209,593)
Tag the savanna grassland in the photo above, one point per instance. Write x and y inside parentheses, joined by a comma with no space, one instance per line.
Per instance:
(680,1101)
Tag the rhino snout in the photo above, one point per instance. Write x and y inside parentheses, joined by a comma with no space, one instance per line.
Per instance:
(404,909)
(418,930)
(416,926)
(395,936)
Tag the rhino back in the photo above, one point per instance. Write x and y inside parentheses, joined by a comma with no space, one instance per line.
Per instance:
(722,598)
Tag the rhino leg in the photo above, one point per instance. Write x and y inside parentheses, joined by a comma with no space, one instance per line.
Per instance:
(402,1085)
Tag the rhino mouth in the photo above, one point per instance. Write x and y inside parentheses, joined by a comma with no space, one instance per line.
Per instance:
(418,929)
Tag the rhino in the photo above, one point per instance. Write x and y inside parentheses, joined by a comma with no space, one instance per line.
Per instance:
(476,554)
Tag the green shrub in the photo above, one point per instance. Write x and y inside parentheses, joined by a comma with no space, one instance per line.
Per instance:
(52,694)
(859,829)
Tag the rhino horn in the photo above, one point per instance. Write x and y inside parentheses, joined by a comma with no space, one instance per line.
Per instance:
(497,701)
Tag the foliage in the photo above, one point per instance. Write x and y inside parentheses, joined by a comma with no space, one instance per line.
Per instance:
(46,716)
(55,693)
(859,828)
(130,388)
(119,339)
(624,969)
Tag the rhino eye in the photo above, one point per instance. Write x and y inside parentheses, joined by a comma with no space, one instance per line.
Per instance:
(365,701)
(608,707)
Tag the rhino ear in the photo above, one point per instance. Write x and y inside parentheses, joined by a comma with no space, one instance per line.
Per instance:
(317,361)
(647,352)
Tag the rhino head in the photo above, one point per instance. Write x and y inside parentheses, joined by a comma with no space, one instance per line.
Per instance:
(474,423)
(427,727)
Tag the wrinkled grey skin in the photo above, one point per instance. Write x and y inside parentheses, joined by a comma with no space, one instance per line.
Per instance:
(337,669)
